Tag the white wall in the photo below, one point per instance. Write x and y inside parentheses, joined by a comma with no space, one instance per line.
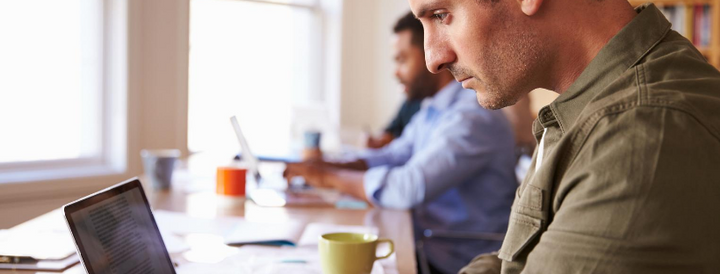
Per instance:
(159,65)
(370,94)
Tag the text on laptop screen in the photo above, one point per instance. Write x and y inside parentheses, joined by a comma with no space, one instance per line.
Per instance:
(119,236)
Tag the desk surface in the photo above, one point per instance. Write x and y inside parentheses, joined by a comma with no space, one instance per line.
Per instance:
(196,198)
(393,224)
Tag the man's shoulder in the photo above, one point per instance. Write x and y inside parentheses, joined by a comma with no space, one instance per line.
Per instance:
(667,110)
(676,74)
(672,80)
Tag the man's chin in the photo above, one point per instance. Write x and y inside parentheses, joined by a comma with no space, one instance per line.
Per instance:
(491,102)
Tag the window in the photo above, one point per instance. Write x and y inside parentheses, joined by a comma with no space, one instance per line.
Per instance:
(254,59)
(55,68)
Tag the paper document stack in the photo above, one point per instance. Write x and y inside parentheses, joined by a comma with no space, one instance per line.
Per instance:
(43,243)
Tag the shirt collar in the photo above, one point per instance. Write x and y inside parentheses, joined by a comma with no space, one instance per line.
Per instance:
(443,98)
(622,52)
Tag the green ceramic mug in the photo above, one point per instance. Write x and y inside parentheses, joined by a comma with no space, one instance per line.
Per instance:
(350,253)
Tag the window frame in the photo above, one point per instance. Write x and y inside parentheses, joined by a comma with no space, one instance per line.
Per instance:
(112,157)
(150,37)
(326,43)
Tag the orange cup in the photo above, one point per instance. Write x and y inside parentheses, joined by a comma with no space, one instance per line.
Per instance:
(231,181)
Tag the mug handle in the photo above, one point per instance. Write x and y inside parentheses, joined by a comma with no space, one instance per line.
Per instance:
(392,248)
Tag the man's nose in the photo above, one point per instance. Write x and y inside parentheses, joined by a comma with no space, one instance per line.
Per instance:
(438,54)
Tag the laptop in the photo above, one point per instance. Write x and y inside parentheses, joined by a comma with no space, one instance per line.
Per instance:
(115,232)
(297,193)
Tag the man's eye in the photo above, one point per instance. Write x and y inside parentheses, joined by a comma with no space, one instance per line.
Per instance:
(440,16)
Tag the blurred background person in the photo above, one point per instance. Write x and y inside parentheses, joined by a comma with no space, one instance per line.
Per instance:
(453,165)
(417,82)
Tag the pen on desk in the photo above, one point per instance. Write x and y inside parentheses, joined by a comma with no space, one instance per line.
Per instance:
(17,260)
(293,262)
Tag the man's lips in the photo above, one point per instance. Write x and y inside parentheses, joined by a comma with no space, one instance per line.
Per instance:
(463,79)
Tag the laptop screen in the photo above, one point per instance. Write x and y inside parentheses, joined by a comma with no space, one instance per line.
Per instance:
(115,232)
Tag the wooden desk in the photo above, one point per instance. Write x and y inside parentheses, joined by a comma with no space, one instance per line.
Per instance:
(197,198)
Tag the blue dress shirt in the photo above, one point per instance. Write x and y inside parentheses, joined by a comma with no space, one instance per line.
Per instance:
(454,167)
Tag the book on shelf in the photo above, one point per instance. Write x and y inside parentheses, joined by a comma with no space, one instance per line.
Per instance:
(676,16)
(700,23)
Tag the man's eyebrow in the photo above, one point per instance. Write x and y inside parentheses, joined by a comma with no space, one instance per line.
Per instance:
(421,14)
(425,8)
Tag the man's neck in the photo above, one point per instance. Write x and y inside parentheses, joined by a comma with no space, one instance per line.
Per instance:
(581,34)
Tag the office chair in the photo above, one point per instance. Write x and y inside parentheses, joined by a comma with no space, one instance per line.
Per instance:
(428,233)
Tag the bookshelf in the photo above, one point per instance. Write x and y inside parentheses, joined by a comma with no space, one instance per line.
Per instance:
(697,20)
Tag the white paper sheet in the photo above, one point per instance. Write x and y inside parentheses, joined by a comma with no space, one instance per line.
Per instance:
(234,230)
(313,231)
(44,237)
(268,260)
(173,244)
(183,224)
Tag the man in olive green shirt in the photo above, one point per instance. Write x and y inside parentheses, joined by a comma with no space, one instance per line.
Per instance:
(626,174)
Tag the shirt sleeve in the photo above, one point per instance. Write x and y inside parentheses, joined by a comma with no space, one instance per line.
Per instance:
(398,152)
(459,146)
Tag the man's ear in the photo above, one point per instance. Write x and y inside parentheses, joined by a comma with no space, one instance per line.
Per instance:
(530,7)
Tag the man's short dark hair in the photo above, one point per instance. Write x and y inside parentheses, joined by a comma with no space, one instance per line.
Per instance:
(409,22)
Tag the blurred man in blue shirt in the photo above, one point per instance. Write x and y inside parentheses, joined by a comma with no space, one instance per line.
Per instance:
(417,83)
(453,166)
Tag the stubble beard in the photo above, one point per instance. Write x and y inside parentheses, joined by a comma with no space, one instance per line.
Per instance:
(507,65)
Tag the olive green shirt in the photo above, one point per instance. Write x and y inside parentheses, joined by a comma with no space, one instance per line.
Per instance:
(629,176)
